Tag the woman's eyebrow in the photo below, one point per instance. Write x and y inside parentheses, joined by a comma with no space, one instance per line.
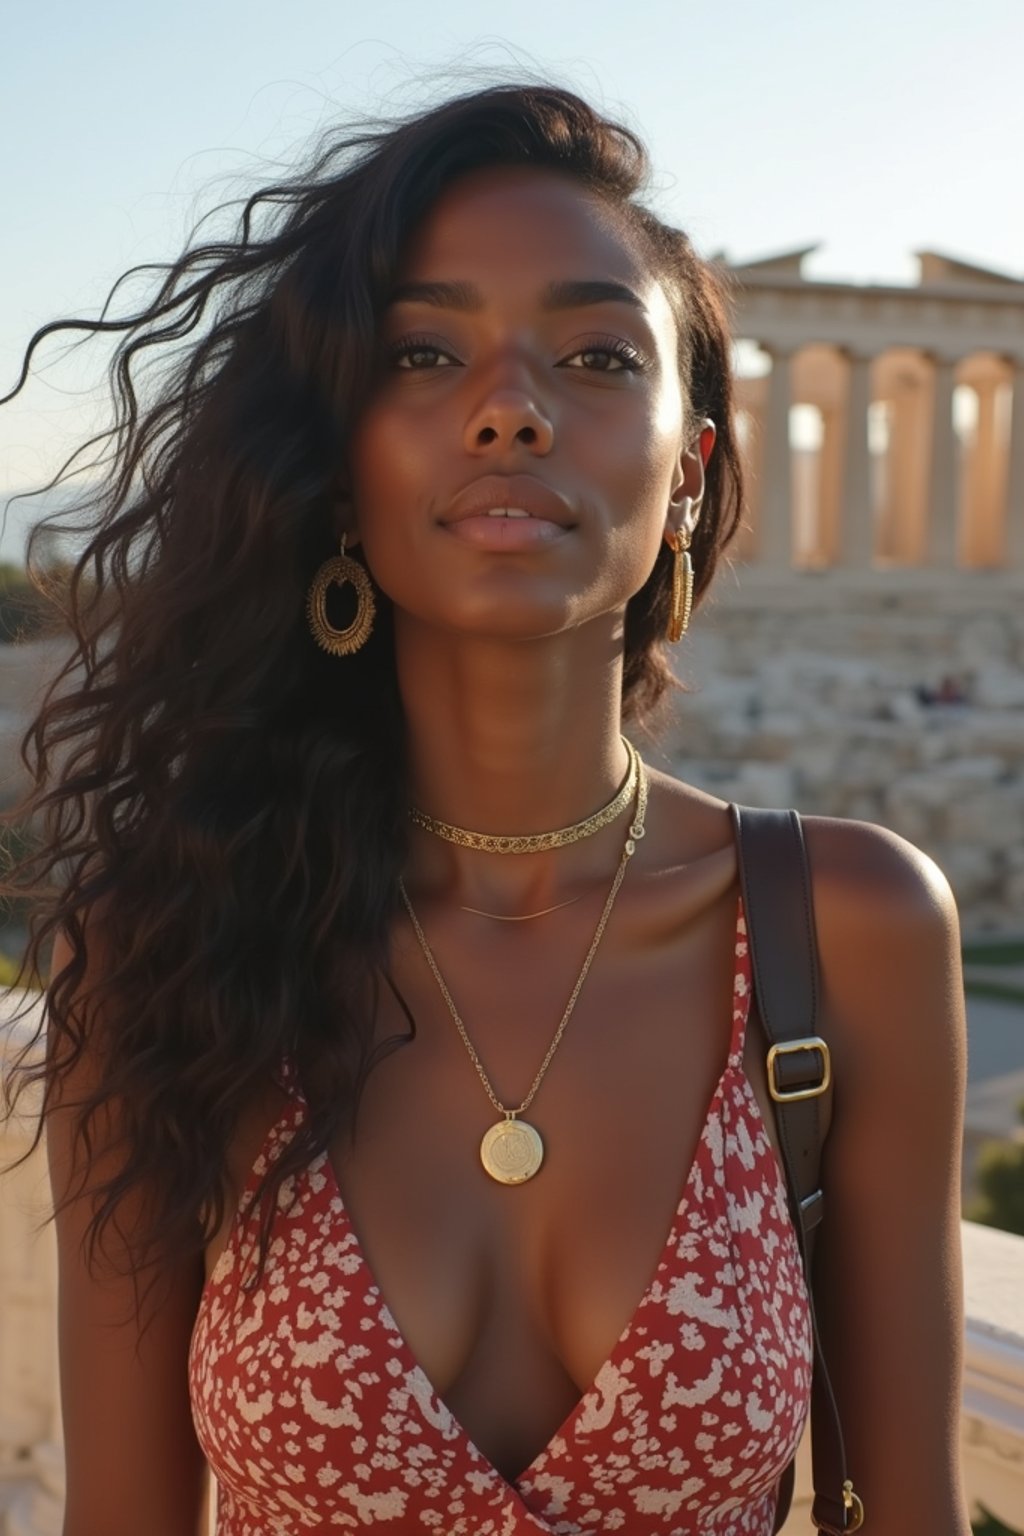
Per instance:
(573,293)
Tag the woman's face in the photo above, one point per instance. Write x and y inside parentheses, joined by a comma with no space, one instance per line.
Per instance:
(528,360)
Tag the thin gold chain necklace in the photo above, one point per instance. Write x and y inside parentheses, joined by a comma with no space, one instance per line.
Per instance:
(537,842)
(512,1150)
(521,917)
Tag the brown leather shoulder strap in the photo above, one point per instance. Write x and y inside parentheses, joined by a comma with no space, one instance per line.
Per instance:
(776,889)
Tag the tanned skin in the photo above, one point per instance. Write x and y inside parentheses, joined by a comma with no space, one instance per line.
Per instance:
(509,667)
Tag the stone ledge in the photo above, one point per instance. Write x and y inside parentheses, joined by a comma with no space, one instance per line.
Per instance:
(992,1434)
(891,588)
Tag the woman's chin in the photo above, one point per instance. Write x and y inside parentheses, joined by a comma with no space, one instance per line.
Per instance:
(496,624)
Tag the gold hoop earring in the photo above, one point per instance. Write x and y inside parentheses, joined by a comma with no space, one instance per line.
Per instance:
(682,587)
(336,571)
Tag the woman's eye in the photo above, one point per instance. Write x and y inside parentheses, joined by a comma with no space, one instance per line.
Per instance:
(418,354)
(421,355)
(616,356)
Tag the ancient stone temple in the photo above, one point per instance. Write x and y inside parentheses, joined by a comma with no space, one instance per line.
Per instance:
(878,469)
(864,656)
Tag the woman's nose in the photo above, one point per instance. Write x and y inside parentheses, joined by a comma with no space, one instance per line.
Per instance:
(507,417)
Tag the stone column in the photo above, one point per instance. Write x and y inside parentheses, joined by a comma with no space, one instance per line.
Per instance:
(1014,541)
(942,541)
(857,531)
(775,539)
(902,512)
(984,541)
(830,476)
(888,541)
(744,547)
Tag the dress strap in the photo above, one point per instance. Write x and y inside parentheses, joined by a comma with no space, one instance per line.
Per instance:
(741,989)
(278,1135)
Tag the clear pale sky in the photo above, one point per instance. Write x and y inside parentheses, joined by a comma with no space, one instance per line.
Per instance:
(876,128)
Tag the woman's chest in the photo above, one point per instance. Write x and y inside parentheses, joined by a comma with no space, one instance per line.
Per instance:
(620,1111)
(512,1299)
(554,1266)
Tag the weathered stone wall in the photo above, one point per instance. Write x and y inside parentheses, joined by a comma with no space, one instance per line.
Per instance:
(806,695)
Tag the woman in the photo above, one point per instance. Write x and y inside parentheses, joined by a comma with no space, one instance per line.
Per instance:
(446,1254)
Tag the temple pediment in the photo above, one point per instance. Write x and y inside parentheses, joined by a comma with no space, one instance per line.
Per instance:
(785,264)
(939,268)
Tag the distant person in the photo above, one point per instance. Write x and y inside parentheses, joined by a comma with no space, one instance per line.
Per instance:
(349,812)
(951,690)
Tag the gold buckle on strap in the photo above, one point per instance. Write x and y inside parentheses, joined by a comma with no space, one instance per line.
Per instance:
(851,1501)
(808,1043)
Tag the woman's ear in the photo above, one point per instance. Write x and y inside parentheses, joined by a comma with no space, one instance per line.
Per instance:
(705,440)
(692,462)
(688,493)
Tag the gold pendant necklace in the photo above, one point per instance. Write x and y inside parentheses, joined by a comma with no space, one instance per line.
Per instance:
(511,1150)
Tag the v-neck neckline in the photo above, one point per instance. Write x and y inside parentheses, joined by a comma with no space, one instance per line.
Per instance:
(414,1368)
(322,1164)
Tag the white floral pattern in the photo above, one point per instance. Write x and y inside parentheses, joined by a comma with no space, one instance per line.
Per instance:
(314,1414)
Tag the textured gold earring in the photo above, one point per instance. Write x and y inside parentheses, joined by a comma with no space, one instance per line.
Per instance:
(335,572)
(682,587)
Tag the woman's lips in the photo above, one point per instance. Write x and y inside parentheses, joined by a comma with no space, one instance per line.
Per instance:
(505,533)
(541,517)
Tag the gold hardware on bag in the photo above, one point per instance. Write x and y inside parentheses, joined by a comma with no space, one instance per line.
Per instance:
(850,1501)
(787,1095)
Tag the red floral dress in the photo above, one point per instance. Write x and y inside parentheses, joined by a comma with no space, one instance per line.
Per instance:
(314,1414)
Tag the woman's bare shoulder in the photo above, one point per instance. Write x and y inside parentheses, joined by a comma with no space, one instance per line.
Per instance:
(863,875)
(885,914)
(888,929)
(858,861)
(888,1267)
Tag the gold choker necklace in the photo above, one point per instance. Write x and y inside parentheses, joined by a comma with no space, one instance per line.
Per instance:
(537,842)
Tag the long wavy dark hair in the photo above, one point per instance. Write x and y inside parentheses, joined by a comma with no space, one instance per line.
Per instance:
(217,803)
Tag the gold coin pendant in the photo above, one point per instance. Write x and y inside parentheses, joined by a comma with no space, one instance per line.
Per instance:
(512,1151)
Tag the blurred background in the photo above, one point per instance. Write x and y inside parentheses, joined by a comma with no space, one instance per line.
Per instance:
(858,171)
